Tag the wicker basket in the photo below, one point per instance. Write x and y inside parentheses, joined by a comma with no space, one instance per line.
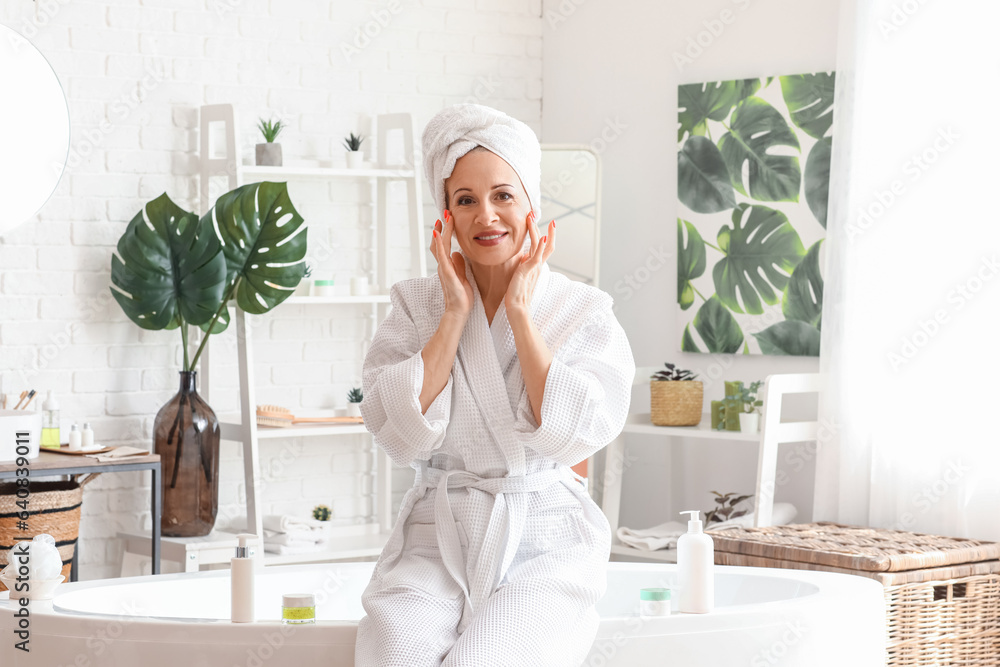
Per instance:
(54,508)
(942,594)
(675,403)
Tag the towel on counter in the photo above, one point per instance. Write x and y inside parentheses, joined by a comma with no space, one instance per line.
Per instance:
(289,523)
(665,535)
(294,539)
(457,129)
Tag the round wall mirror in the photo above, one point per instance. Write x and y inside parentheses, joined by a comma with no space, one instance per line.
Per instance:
(35,119)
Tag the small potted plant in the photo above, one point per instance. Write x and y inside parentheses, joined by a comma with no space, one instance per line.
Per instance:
(749,414)
(675,397)
(269,154)
(321,513)
(354,155)
(725,508)
(354,397)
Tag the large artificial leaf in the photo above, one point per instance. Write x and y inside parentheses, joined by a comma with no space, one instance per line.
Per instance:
(810,101)
(761,251)
(703,183)
(171,268)
(690,262)
(790,337)
(817,178)
(700,102)
(756,129)
(803,296)
(687,342)
(264,241)
(717,328)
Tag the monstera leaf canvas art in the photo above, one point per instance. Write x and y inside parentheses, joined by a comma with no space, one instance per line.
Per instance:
(753,181)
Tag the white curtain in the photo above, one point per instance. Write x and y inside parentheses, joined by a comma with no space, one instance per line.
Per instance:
(911,313)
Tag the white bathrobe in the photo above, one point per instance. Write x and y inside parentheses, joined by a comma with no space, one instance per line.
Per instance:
(505,567)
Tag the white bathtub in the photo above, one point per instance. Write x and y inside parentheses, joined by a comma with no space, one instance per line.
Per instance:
(763,618)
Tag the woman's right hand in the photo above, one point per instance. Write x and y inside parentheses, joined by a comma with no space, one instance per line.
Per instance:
(458,297)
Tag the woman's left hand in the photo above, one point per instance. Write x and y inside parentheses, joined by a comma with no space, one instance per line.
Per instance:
(522,283)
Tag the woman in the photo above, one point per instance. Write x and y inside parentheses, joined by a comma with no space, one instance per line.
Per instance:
(491,378)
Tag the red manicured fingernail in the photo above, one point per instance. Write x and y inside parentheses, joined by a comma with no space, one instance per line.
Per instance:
(435,233)
(553,224)
(545,238)
(446,215)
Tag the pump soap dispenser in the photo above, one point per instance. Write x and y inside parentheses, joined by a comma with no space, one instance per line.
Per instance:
(241,573)
(695,568)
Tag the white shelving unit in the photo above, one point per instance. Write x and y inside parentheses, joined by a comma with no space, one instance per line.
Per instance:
(773,433)
(353,541)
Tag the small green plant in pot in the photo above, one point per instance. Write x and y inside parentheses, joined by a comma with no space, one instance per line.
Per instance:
(749,406)
(355,157)
(725,508)
(354,398)
(173,270)
(675,397)
(269,154)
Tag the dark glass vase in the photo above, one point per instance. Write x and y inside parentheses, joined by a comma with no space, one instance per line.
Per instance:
(186,436)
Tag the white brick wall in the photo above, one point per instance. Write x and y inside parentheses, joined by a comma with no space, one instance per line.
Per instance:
(135,76)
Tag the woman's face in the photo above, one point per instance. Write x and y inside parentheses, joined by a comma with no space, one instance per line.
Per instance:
(486,199)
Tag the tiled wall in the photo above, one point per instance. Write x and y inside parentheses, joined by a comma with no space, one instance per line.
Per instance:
(135,74)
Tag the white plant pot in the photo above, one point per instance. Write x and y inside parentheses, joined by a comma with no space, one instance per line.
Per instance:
(355,159)
(749,422)
(13,422)
(359,286)
(353,409)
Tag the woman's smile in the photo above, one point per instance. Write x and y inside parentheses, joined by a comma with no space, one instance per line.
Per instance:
(490,238)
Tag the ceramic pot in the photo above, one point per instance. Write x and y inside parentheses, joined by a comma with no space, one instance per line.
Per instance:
(186,436)
(355,159)
(353,409)
(749,422)
(269,155)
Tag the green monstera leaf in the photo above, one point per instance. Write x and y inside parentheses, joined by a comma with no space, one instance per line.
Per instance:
(702,180)
(756,129)
(169,269)
(817,179)
(790,337)
(690,262)
(761,249)
(264,244)
(716,326)
(700,102)
(803,296)
(810,101)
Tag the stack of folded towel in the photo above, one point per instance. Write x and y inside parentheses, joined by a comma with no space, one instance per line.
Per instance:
(288,534)
(665,535)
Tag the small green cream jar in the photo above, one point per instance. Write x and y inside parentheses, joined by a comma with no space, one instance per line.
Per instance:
(298,608)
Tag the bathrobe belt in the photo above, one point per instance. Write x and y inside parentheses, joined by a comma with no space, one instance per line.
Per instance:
(503,535)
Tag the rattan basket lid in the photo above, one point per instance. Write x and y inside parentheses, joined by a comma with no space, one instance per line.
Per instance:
(853,547)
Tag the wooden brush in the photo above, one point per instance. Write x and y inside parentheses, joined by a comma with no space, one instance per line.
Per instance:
(279,417)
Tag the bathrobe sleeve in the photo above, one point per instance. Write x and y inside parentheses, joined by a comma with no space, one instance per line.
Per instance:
(392,377)
(587,392)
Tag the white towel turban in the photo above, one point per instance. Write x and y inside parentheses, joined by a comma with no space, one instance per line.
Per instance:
(457,129)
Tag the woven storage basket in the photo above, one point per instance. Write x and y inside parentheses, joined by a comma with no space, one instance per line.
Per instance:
(675,402)
(942,594)
(54,508)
